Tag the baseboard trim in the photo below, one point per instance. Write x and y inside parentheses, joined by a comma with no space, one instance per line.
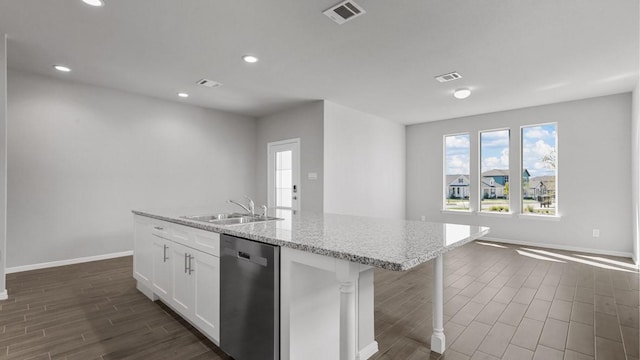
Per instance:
(368,351)
(4,295)
(16,269)
(560,247)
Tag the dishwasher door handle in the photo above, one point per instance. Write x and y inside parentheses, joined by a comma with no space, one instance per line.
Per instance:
(258,260)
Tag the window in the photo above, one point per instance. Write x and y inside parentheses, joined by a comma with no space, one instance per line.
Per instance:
(539,169)
(457,151)
(494,171)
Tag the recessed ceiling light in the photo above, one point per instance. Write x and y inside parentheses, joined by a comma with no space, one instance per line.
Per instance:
(183,94)
(250,59)
(94,2)
(61,68)
(462,93)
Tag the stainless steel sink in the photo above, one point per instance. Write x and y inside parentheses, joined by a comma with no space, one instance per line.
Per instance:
(230,219)
(209,218)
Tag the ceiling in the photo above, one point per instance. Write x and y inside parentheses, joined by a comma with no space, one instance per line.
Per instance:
(512,54)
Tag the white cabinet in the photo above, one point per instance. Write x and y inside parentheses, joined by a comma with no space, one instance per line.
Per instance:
(142,252)
(182,299)
(206,306)
(180,265)
(162,266)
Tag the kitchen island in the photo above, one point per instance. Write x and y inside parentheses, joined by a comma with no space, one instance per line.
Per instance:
(326,270)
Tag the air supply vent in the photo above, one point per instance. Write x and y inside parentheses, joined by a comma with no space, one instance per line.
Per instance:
(344,11)
(208,83)
(448,77)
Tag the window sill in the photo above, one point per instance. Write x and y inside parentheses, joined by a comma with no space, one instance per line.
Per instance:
(540,217)
(457,212)
(495,214)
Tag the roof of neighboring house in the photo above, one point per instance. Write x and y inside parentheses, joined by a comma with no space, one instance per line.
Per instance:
(486,179)
(496,172)
(526,172)
(548,181)
(451,178)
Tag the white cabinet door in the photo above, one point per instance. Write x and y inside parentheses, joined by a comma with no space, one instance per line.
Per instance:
(206,274)
(183,293)
(142,257)
(162,267)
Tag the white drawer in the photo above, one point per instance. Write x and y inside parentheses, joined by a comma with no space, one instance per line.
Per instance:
(206,241)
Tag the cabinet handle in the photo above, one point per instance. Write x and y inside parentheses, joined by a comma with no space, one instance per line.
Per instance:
(190,267)
(185,263)
(158,228)
(164,256)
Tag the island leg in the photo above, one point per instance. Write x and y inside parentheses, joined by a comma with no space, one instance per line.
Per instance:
(347,273)
(437,338)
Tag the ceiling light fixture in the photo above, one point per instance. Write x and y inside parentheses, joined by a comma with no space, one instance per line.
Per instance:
(183,94)
(96,3)
(62,68)
(462,93)
(250,59)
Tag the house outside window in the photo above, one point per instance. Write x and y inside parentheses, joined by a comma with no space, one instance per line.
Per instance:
(457,153)
(494,171)
(539,155)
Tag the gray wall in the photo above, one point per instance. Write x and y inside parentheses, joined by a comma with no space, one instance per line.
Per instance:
(594,176)
(304,122)
(364,164)
(82,157)
(3,161)
(635,173)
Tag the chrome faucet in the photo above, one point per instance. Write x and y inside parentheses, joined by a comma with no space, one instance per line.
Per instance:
(250,209)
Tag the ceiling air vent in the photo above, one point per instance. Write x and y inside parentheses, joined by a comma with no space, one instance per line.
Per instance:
(208,83)
(344,11)
(448,77)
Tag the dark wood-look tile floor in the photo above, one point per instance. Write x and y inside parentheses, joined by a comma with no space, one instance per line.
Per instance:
(513,302)
(501,302)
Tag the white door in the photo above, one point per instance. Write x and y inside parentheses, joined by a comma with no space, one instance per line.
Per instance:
(206,274)
(143,252)
(182,299)
(283,178)
(162,268)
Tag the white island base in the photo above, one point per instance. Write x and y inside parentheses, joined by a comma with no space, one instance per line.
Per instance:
(327,308)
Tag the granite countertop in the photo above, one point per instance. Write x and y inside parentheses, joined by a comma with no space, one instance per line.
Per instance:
(390,244)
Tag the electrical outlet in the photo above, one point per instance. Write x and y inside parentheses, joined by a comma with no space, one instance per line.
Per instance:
(596,232)
(423,218)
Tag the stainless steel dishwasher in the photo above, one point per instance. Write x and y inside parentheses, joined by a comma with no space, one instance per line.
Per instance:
(249,299)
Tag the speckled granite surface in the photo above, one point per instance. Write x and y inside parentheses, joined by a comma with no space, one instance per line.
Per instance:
(386,243)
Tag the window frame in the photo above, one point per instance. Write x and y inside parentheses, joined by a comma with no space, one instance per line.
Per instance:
(480,194)
(445,185)
(522,214)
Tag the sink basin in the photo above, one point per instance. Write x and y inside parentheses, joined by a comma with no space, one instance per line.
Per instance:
(230,219)
(242,220)
(209,218)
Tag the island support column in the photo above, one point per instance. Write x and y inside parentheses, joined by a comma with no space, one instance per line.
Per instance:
(437,338)
(347,273)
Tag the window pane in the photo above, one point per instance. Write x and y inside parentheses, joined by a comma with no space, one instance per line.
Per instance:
(457,156)
(286,178)
(494,171)
(539,169)
(278,197)
(284,160)
(286,197)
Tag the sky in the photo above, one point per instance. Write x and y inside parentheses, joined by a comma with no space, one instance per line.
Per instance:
(538,141)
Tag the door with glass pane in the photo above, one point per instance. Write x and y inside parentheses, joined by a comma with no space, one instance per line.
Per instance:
(283,174)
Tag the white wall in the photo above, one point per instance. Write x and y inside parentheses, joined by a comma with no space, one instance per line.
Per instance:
(304,122)
(364,164)
(635,173)
(594,176)
(82,157)
(3,163)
